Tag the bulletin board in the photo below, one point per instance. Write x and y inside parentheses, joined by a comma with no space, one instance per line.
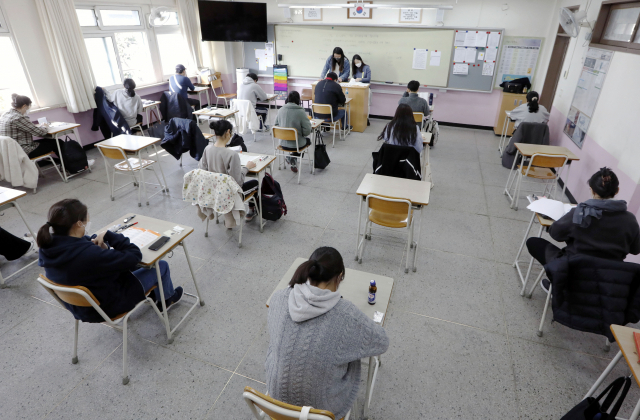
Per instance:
(480,45)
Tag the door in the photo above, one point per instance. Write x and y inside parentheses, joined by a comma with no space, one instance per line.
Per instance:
(555,68)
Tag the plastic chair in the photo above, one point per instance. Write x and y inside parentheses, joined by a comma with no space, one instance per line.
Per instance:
(128,166)
(81,296)
(539,167)
(264,407)
(291,134)
(217,84)
(389,213)
(319,108)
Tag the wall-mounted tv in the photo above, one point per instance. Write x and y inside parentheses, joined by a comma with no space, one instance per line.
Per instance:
(233,21)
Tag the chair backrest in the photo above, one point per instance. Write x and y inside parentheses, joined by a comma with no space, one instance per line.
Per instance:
(548,161)
(418,117)
(284,133)
(395,208)
(73,295)
(306,93)
(321,109)
(112,152)
(277,410)
(215,84)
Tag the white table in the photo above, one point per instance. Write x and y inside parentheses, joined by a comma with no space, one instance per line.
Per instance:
(259,171)
(58,129)
(198,91)
(150,259)
(355,288)
(9,198)
(220,113)
(153,105)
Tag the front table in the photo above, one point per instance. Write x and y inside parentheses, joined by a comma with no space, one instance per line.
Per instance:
(359,106)
(355,288)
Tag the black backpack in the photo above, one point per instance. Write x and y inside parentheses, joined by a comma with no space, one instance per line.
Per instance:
(273,206)
(73,156)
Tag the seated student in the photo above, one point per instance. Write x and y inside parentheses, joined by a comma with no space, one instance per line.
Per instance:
(12,247)
(218,158)
(531,111)
(179,83)
(15,124)
(292,115)
(402,129)
(106,265)
(129,103)
(328,92)
(601,227)
(324,372)
(250,90)
(411,98)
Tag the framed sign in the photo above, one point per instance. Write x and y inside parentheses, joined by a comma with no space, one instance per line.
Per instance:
(312,13)
(358,11)
(410,15)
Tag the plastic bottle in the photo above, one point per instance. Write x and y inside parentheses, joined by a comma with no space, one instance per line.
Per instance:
(372,292)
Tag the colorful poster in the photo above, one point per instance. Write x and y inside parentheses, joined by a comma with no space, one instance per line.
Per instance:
(280,81)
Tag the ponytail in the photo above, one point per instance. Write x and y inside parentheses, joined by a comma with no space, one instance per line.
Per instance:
(220,127)
(130,87)
(532,101)
(604,183)
(324,264)
(61,217)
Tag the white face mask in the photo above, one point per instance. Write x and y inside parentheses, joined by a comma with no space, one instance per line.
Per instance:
(27,111)
(358,64)
(87,227)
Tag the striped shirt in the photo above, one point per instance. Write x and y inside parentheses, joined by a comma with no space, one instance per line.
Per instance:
(17,126)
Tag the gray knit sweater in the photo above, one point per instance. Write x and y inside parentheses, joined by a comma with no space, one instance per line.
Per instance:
(317,362)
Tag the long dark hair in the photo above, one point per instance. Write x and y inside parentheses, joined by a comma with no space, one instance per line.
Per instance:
(402,127)
(130,87)
(324,264)
(294,97)
(337,50)
(220,127)
(18,101)
(532,101)
(604,183)
(354,69)
(62,216)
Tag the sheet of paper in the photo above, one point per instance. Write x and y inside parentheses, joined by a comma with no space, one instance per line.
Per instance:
(470,39)
(491,54)
(460,37)
(435,58)
(140,237)
(480,56)
(551,208)
(493,39)
(262,64)
(470,56)
(42,120)
(459,55)
(481,39)
(462,69)
(260,53)
(419,59)
(488,68)
(244,159)
(268,46)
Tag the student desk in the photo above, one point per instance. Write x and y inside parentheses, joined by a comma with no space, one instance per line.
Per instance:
(198,91)
(9,198)
(355,288)
(150,258)
(358,111)
(527,150)
(544,224)
(220,113)
(134,145)
(624,338)
(58,129)
(271,97)
(259,170)
(148,107)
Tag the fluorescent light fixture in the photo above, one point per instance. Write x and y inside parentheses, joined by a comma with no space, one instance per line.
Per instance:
(365,5)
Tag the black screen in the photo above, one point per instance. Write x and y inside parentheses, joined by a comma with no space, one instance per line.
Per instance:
(233,21)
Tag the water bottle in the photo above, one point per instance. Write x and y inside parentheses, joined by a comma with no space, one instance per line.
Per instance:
(372,292)
(347,93)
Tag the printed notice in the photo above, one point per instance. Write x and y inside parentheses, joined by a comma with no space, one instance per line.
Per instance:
(459,55)
(435,58)
(470,39)
(462,69)
(480,56)
(491,54)
(481,39)
(460,38)
(419,59)
(493,39)
(488,68)
(470,56)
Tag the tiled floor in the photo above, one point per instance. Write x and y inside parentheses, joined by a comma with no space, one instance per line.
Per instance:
(463,341)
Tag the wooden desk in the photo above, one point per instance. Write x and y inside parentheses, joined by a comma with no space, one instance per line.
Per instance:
(358,108)
(259,171)
(355,288)
(57,130)
(624,338)
(198,91)
(9,198)
(150,258)
(508,102)
(147,107)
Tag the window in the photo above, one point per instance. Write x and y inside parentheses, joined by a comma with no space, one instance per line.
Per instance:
(12,76)
(103,60)
(134,57)
(87,17)
(617,26)
(173,50)
(119,18)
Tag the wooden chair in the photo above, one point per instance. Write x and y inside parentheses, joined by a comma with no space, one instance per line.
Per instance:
(291,134)
(128,166)
(389,213)
(81,296)
(306,96)
(334,125)
(217,84)
(419,118)
(264,407)
(539,167)
(46,156)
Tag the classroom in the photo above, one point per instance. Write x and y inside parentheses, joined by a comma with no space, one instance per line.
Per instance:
(181,182)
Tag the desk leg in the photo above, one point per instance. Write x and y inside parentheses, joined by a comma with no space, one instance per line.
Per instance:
(604,374)
(359,223)
(512,174)
(367,395)
(165,186)
(193,275)
(17,206)
(503,135)
(165,315)
(564,183)
(64,171)
(260,209)
(415,250)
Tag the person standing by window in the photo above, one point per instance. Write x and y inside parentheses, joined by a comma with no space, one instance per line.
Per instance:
(336,63)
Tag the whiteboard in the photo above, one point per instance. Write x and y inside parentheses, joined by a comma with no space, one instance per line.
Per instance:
(388,51)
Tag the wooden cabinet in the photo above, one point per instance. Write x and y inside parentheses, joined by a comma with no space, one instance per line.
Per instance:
(359,105)
(508,102)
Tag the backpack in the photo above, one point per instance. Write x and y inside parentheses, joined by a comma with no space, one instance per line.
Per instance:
(273,206)
(73,156)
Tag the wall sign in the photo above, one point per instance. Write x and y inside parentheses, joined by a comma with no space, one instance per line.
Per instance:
(410,15)
(312,13)
(359,11)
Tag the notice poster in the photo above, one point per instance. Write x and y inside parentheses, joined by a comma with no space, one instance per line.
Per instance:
(470,55)
(435,58)
(459,54)
(461,68)
(460,38)
(280,81)
(419,59)
(487,69)
(518,59)
(585,98)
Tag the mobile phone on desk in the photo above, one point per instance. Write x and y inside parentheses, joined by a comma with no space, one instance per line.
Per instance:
(159,243)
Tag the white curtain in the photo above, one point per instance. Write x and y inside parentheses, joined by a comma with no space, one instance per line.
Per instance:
(69,53)
(190,24)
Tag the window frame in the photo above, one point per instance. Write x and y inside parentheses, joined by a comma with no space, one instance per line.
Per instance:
(111,35)
(98,11)
(600,27)
(168,30)
(4,29)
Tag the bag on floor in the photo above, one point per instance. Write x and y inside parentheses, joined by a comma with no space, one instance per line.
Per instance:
(590,408)
(273,206)
(237,140)
(320,156)
(156,128)
(73,156)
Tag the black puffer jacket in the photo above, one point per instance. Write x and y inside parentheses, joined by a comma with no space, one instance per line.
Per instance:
(182,135)
(397,161)
(589,294)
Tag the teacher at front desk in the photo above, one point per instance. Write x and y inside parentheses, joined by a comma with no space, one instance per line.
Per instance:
(337,63)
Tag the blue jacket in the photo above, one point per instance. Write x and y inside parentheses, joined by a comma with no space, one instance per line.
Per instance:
(345,71)
(172,105)
(183,135)
(179,84)
(105,272)
(363,73)
(106,114)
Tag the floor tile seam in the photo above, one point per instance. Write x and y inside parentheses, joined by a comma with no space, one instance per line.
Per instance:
(454,322)
(206,415)
(250,378)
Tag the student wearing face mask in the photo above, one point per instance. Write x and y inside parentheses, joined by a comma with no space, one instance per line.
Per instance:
(337,63)
(361,72)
